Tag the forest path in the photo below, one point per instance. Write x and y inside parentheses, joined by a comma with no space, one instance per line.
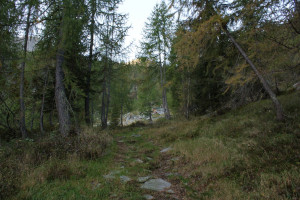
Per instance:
(144,169)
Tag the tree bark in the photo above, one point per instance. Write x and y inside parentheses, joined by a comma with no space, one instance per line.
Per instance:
(22,104)
(32,116)
(103,106)
(121,114)
(162,82)
(60,95)
(278,107)
(297,7)
(87,93)
(43,103)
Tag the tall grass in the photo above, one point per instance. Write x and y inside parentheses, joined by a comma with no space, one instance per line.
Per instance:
(243,154)
(24,163)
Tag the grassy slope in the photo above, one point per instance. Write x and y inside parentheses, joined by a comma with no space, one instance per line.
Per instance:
(243,154)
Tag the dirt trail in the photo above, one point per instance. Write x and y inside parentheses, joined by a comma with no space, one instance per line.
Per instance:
(140,157)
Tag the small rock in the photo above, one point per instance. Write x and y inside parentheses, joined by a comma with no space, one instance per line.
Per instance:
(297,86)
(143,179)
(125,179)
(148,197)
(95,184)
(121,141)
(111,175)
(139,161)
(175,159)
(114,195)
(171,174)
(148,158)
(170,191)
(156,184)
(166,150)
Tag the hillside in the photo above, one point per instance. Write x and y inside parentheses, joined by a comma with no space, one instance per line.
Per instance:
(242,154)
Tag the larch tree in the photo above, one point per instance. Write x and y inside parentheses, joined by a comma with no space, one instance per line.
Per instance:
(218,19)
(112,36)
(157,44)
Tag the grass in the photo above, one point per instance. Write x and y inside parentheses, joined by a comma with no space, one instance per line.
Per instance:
(243,154)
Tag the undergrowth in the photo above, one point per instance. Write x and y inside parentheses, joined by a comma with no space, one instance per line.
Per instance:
(24,163)
(243,154)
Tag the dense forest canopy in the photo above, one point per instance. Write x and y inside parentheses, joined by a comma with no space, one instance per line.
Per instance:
(61,61)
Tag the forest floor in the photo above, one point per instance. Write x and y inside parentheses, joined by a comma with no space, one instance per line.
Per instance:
(242,154)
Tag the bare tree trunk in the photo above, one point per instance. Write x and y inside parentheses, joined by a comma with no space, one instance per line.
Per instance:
(297,6)
(60,95)
(50,118)
(188,96)
(32,116)
(92,116)
(107,99)
(167,111)
(121,114)
(87,92)
(22,104)
(43,103)
(103,107)
(162,83)
(278,107)
(150,113)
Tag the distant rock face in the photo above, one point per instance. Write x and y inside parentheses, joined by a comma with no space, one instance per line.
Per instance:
(156,185)
(130,118)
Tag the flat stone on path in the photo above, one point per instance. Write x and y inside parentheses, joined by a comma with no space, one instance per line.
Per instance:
(143,179)
(139,161)
(156,184)
(170,191)
(125,179)
(148,197)
(111,175)
(166,150)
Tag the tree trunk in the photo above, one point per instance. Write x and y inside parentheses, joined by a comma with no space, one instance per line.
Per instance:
(50,118)
(162,83)
(278,107)
(43,103)
(92,116)
(297,7)
(103,107)
(121,114)
(87,92)
(22,104)
(150,113)
(167,111)
(32,116)
(60,95)
(107,98)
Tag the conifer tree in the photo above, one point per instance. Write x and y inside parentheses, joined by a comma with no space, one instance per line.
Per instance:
(157,43)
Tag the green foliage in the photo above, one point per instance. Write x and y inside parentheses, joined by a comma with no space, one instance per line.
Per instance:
(148,95)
